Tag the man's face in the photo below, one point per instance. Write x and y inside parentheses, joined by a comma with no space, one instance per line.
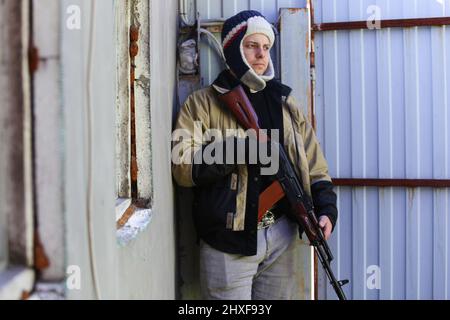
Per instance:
(257,52)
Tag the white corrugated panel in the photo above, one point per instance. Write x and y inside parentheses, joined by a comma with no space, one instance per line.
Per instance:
(216,9)
(357,10)
(382,102)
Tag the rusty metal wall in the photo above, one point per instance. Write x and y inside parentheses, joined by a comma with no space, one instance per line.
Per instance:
(382,101)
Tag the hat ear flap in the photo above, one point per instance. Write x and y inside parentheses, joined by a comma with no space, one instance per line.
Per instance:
(270,72)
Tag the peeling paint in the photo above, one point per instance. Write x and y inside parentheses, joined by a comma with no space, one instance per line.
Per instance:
(295,10)
(144,83)
(135,12)
(142,102)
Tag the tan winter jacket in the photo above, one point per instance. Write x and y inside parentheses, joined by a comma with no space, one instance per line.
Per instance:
(202,111)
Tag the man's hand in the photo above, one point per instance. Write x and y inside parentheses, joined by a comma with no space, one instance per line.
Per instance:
(326,226)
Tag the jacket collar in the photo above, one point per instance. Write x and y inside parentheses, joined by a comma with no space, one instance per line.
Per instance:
(226,81)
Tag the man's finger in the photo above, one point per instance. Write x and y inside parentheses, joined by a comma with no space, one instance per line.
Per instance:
(326,228)
(327,231)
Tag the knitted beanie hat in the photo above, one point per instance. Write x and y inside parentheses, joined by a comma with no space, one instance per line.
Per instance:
(234,30)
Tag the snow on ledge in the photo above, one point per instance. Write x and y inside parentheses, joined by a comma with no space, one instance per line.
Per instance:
(49,291)
(14,281)
(135,225)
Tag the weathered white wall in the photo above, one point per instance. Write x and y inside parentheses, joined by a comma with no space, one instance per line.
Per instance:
(47,113)
(16,198)
(16,219)
(88,91)
(147,264)
(145,267)
(123,154)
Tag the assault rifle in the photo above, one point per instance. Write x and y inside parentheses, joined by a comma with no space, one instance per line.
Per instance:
(286,184)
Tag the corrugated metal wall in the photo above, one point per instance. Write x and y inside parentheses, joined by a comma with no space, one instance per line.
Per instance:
(382,102)
(216,9)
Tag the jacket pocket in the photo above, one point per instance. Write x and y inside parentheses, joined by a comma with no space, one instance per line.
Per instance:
(216,203)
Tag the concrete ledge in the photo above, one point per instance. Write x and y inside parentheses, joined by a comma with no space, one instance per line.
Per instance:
(14,281)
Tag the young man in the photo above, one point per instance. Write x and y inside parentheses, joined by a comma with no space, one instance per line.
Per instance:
(242,258)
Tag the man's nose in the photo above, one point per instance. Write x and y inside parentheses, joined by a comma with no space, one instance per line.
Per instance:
(260,53)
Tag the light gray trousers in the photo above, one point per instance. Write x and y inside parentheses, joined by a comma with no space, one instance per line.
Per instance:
(271,274)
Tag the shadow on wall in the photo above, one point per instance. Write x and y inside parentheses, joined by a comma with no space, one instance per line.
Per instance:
(188,249)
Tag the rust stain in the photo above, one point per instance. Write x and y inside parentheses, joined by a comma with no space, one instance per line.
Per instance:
(134,168)
(134,33)
(295,10)
(301,284)
(407,183)
(316,277)
(33,59)
(214,29)
(134,37)
(134,50)
(392,23)
(41,260)
(126,216)
(25,295)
